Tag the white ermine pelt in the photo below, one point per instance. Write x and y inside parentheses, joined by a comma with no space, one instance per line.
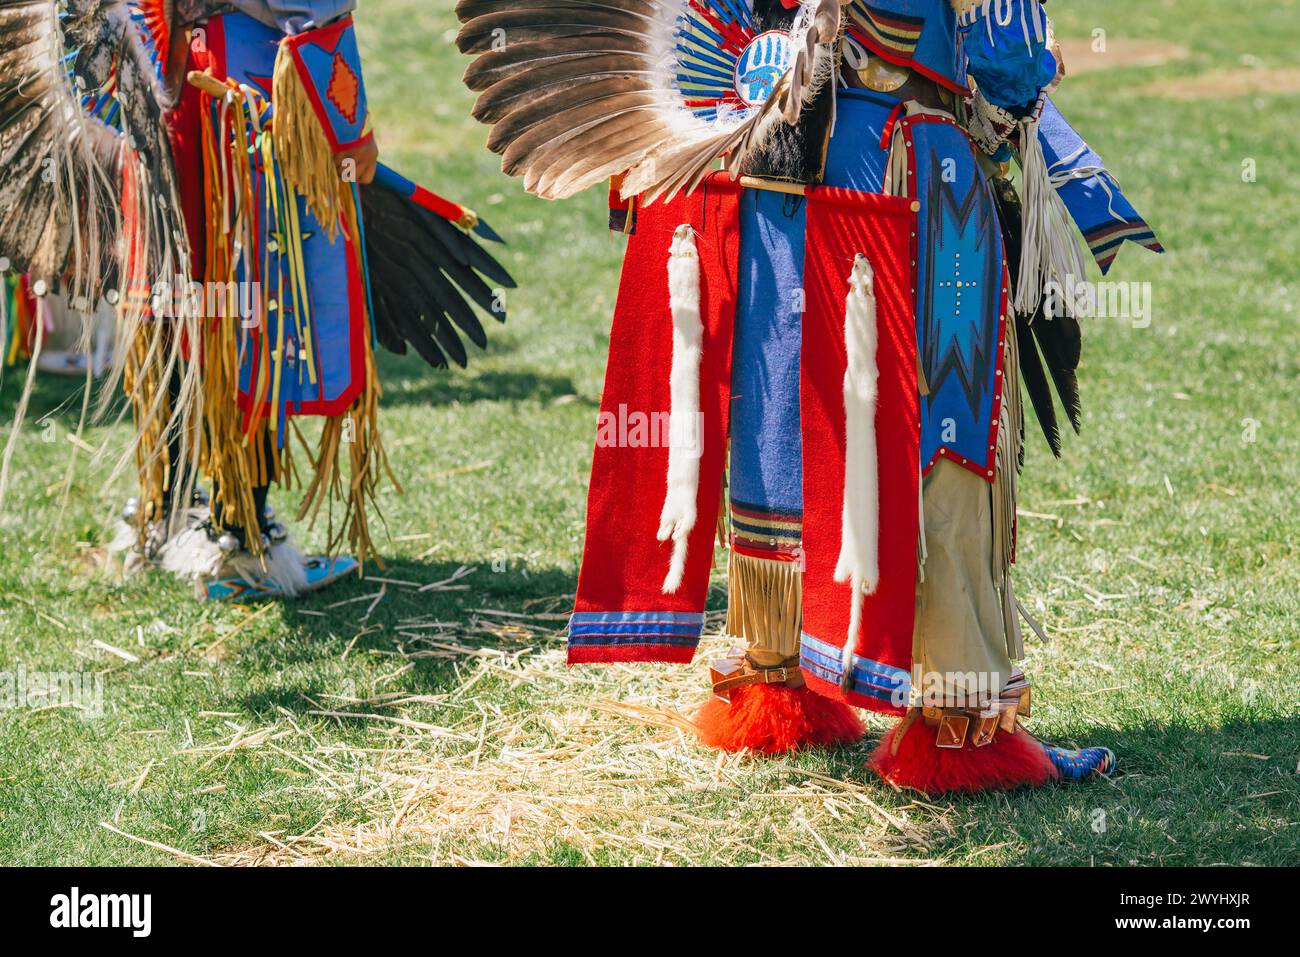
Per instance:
(685,437)
(859,559)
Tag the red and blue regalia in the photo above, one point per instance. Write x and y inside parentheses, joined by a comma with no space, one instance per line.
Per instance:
(821,343)
(221,208)
(267,254)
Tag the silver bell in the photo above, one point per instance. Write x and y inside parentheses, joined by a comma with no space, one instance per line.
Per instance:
(268,512)
(130,510)
(228,543)
(277,532)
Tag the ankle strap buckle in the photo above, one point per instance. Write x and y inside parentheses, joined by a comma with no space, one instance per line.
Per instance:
(738,671)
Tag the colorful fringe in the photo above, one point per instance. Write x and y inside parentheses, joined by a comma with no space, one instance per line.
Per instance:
(246,448)
(157,373)
(19,328)
(233,455)
(303,149)
(367,458)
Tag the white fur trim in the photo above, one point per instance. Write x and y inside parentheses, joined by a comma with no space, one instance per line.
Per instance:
(678,516)
(125,538)
(191,554)
(282,565)
(126,543)
(139,549)
(859,559)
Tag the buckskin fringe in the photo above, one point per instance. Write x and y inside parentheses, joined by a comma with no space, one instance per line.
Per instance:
(304,153)
(765,603)
(1050,253)
(142,380)
(1004,491)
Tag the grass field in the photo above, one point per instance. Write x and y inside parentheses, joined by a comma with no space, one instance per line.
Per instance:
(408,726)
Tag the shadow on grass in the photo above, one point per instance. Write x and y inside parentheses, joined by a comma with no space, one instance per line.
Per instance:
(435,387)
(371,616)
(1192,790)
(1184,795)
(58,398)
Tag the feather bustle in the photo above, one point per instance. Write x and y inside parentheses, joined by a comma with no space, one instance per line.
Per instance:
(573,73)
(497,65)
(517,92)
(522,26)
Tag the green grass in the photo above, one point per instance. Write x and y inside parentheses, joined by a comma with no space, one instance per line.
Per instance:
(1167,575)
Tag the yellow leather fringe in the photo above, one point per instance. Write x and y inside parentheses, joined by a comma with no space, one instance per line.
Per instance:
(239,454)
(306,159)
(143,380)
(232,457)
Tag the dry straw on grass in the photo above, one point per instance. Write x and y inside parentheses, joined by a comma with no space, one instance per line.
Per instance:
(525,754)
